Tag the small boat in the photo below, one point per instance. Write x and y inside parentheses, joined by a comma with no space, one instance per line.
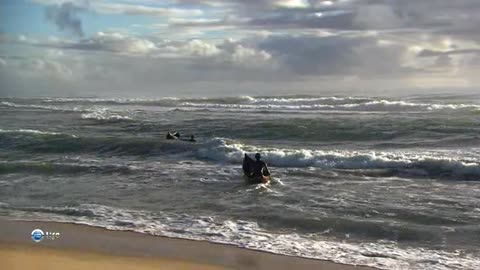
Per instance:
(248,164)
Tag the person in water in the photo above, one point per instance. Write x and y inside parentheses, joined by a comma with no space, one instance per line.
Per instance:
(176,135)
(173,136)
(256,170)
(259,167)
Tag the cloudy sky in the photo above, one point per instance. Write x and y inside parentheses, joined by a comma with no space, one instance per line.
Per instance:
(237,47)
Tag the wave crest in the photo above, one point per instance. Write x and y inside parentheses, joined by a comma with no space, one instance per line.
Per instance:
(285,103)
(104,115)
(433,164)
(462,165)
(41,107)
(35,132)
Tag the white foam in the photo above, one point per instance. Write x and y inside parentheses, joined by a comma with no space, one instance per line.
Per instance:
(248,234)
(307,100)
(40,107)
(119,101)
(299,104)
(426,162)
(105,115)
(261,103)
(33,131)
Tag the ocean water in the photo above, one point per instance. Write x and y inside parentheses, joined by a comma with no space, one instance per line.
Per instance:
(390,183)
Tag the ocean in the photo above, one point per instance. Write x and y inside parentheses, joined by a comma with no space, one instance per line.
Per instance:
(392,183)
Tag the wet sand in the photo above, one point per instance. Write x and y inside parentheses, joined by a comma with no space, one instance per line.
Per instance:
(85,247)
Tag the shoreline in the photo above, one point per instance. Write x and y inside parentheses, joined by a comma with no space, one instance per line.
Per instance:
(109,249)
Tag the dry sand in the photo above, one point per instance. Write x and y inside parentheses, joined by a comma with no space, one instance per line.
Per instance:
(85,247)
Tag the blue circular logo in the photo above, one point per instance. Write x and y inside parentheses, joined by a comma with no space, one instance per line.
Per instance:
(37,235)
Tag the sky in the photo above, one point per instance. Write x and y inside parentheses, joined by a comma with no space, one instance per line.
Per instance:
(153,48)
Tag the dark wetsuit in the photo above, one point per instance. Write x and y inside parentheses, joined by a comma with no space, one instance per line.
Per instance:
(255,170)
(260,169)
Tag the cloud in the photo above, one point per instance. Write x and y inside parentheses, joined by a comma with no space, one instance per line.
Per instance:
(224,23)
(444,61)
(47,66)
(214,54)
(206,42)
(65,17)
(433,53)
(134,8)
(301,19)
(35,67)
(455,61)
(450,17)
(377,16)
(114,42)
(243,55)
(434,16)
(199,48)
(336,55)
(220,55)
(138,9)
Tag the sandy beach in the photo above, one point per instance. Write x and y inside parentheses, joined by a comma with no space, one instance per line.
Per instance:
(85,247)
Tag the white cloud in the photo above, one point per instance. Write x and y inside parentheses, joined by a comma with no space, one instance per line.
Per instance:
(226,52)
(242,54)
(245,55)
(115,42)
(292,3)
(199,48)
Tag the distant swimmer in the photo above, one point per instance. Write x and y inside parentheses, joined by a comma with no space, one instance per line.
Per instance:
(176,136)
(256,170)
(173,136)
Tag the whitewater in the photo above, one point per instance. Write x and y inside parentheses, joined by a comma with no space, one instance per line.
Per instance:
(377,181)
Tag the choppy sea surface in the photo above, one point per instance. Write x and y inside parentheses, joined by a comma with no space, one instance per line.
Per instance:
(390,183)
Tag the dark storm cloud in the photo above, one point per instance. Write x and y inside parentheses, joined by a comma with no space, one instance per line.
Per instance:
(269,14)
(457,17)
(336,55)
(65,17)
(432,53)
(300,19)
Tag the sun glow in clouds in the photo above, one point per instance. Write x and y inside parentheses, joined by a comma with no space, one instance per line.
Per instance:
(204,46)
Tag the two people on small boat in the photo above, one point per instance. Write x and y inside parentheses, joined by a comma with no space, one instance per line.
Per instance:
(255,170)
(176,136)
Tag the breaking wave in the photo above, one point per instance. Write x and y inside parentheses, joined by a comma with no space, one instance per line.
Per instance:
(104,115)
(434,164)
(289,103)
(34,132)
(41,107)
(251,235)
(375,105)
